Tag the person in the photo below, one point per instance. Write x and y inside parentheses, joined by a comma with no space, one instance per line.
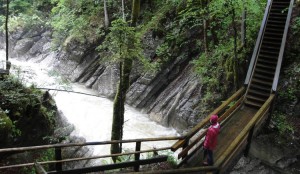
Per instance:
(210,141)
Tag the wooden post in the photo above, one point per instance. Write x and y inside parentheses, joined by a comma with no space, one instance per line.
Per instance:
(249,140)
(58,166)
(137,156)
(271,111)
(39,169)
(186,144)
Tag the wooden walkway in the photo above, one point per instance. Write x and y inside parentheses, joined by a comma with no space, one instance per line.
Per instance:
(229,131)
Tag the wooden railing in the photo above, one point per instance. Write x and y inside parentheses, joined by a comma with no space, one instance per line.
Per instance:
(59,160)
(190,144)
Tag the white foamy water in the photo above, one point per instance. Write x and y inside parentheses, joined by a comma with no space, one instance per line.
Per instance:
(91,116)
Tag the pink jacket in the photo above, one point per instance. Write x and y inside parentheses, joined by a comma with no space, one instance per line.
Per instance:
(210,141)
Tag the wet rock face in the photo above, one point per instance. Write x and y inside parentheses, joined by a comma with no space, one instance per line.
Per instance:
(278,156)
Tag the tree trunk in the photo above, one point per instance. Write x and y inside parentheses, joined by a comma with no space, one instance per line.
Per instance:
(119,102)
(6,31)
(123,10)
(235,60)
(106,19)
(205,25)
(243,25)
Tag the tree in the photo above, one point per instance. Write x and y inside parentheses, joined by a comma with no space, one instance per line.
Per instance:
(125,46)
(6,33)
(235,56)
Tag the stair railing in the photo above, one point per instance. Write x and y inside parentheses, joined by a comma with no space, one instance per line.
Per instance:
(282,47)
(258,43)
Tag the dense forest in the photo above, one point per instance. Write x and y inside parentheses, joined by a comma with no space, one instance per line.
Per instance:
(215,39)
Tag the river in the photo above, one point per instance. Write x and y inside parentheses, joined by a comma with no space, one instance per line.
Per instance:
(91,115)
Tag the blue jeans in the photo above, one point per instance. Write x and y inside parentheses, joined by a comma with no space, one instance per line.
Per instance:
(209,154)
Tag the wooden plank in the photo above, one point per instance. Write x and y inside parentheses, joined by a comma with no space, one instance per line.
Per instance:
(112,166)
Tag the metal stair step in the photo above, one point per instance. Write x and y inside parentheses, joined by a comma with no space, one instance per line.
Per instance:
(253,104)
(277,18)
(276,22)
(259,93)
(267,33)
(272,38)
(262,75)
(263,71)
(268,42)
(254,98)
(268,57)
(267,61)
(265,46)
(261,87)
(269,53)
(263,82)
(265,66)
(274,30)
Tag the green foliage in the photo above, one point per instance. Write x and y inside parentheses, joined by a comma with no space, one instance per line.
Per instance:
(26,21)
(282,124)
(172,160)
(123,42)
(24,108)
(296,26)
(79,19)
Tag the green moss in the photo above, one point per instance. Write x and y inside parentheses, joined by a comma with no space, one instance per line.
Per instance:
(6,127)
(30,113)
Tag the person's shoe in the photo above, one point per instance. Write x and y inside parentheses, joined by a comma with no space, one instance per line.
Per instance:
(205,163)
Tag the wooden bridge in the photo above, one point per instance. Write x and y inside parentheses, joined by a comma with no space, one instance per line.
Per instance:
(241,116)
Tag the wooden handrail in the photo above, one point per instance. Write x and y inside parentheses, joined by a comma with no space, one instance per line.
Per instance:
(58,160)
(85,158)
(258,43)
(21,149)
(282,47)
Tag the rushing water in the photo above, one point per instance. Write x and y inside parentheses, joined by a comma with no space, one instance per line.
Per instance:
(91,116)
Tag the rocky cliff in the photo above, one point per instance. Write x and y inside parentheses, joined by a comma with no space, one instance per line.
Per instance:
(172,96)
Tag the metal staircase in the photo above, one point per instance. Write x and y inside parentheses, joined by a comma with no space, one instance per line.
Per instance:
(268,54)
